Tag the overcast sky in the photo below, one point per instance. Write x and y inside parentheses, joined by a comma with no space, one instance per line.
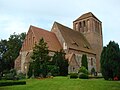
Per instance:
(18,15)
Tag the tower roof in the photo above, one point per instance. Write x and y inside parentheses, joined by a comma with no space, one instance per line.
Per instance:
(87,15)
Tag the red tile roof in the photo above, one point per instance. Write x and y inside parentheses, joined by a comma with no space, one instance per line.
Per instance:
(74,39)
(49,37)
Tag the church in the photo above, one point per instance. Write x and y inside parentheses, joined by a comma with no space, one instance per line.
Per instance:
(84,38)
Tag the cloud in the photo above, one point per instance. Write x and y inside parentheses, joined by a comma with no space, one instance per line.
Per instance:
(18,15)
(9,25)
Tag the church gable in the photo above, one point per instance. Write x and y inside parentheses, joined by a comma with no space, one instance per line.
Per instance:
(73,64)
(58,34)
(35,34)
(29,41)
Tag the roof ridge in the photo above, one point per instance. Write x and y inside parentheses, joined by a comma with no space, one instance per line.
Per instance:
(69,28)
(62,25)
(38,28)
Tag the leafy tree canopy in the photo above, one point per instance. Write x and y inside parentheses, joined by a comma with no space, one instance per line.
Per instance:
(9,50)
(40,58)
(110,61)
(60,61)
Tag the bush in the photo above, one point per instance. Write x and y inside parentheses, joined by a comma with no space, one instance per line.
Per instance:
(73,75)
(95,77)
(10,75)
(83,76)
(83,70)
(20,76)
(83,73)
(10,83)
(93,70)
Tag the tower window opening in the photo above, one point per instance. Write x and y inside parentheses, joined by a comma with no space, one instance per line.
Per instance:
(80,25)
(84,23)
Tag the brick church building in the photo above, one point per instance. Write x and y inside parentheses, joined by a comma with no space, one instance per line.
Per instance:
(84,38)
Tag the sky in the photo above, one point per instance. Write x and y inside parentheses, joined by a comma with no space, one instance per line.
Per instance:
(18,15)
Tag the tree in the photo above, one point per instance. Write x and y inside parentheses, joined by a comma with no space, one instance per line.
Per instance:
(40,58)
(3,50)
(110,61)
(42,63)
(60,61)
(84,61)
(14,45)
(9,50)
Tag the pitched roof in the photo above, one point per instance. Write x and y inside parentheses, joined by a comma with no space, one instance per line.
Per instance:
(86,15)
(49,37)
(74,39)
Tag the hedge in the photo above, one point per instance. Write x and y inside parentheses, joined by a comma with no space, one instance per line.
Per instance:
(95,77)
(10,83)
(73,75)
(83,76)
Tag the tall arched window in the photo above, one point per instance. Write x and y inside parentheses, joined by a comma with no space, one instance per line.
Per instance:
(91,61)
(80,24)
(84,24)
(88,24)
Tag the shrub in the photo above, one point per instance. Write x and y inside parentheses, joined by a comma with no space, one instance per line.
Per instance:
(83,76)
(10,83)
(9,76)
(95,77)
(20,76)
(83,70)
(73,75)
(13,71)
(93,70)
(83,73)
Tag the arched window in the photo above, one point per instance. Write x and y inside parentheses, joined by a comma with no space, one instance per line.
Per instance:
(88,24)
(91,61)
(84,24)
(80,25)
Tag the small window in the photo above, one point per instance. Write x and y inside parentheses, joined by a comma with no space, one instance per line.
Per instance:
(88,24)
(80,25)
(83,23)
(64,45)
(91,61)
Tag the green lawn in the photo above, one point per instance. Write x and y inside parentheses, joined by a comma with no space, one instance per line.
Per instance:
(64,83)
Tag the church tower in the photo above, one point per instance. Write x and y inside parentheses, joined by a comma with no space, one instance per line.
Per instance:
(91,27)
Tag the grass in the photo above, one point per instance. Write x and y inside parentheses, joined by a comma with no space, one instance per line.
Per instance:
(64,83)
